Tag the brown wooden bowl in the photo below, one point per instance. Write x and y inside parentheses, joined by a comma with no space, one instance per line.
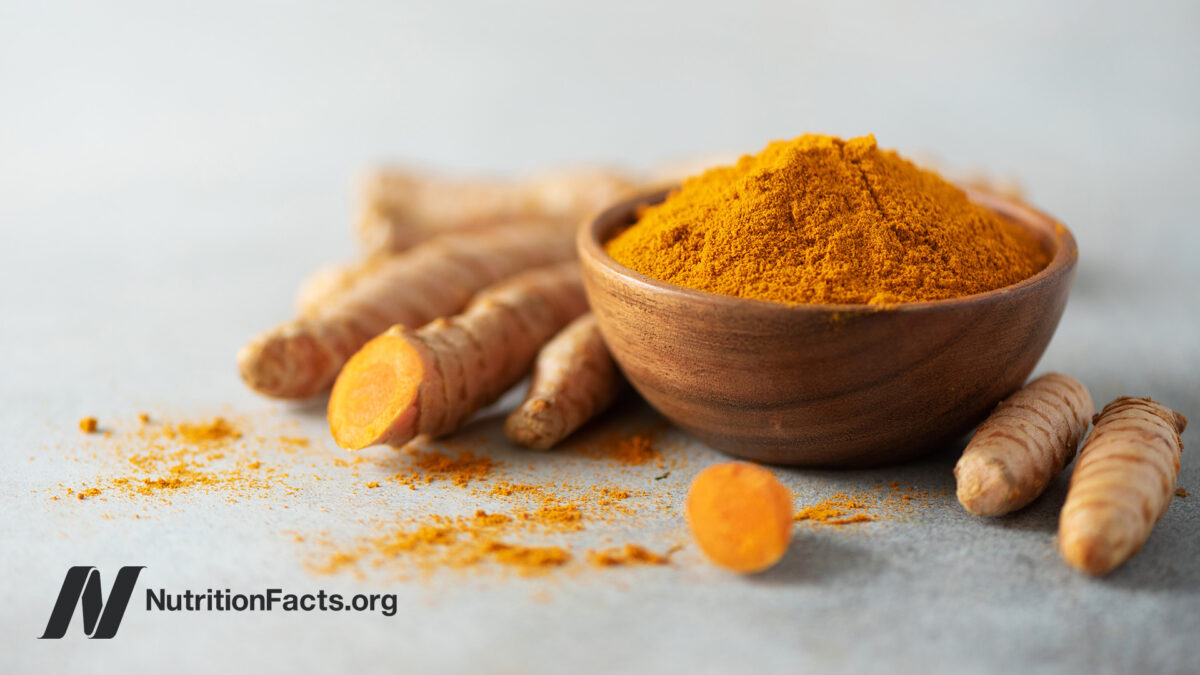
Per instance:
(825,385)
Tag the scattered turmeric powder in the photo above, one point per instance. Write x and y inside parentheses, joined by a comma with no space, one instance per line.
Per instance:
(627,449)
(506,488)
(428,544)
(634,450)
(527,558)
(606,495)
(88,425)
(822,220)
(301,358)
(1122,484)
(441,542)
(840,509)
(429,381)
(1023,445)
(573,380)
(559,517)
(217,430)
(630,554)
(883,502)
(850,520)
(432,465)
(163,460)
(740,516)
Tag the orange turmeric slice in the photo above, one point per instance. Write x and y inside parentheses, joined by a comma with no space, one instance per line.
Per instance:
(740,516)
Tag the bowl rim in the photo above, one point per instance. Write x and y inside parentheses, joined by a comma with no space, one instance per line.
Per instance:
(1061,264)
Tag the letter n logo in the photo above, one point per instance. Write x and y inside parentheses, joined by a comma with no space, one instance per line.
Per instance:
(82,586)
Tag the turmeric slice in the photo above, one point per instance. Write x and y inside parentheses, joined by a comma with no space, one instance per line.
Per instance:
(1122,485)
(740,516)
(301,358)
(1023,445)
(573,381)
(401,208)
(407,382)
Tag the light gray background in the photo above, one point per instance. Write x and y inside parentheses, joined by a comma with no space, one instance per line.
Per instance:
(169,173)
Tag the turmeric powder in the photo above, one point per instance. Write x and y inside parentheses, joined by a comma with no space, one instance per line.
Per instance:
(625,449)
(822,220)
(431,465)
(840,509)
(630,554)
(163,459)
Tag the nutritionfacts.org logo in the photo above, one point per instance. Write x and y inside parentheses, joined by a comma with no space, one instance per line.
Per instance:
(102,616)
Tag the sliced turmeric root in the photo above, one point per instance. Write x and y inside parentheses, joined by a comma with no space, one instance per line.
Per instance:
(428,381)
(1123,483)
(740,515)
(1026,441)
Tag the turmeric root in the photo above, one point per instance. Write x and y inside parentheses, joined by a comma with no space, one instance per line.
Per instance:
(428,381)
(1122,485)
(401,208)
(322,286)
(438,278)
(740,516)
(574,380)
(1023,445)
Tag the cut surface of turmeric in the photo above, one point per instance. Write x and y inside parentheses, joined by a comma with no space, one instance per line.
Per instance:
(1123,483)
(1026,441)
(428,381)
(740,515)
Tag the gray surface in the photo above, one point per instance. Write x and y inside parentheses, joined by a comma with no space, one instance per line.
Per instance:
(168,178)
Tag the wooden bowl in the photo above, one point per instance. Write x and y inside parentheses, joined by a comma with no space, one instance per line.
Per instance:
(825,385)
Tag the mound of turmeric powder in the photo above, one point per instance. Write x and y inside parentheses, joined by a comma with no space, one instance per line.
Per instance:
(822,220)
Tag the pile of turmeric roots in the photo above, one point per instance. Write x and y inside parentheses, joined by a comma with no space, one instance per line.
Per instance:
(464,287)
